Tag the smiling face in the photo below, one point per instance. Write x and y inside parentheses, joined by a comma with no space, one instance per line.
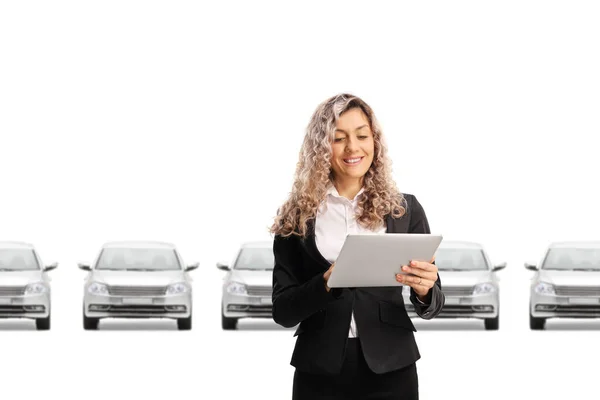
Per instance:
(353,146)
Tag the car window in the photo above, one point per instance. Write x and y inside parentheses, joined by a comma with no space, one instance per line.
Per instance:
(18,260)
(460,260)
(145,259)
(255,259)
(572,259)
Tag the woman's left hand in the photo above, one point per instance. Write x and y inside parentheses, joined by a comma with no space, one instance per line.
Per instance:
(422,278)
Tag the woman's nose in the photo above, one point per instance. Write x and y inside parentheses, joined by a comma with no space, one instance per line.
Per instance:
(351,145)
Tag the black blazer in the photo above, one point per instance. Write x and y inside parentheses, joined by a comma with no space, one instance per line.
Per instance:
(384,328)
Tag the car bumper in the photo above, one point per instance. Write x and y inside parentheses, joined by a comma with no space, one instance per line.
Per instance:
(173,306)
(550,306)
(479,306)
(244,306)
(26,306)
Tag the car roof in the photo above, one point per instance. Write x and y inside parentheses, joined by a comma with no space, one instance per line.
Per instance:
(459,244)
(15,245)
(589,244)
(138,244)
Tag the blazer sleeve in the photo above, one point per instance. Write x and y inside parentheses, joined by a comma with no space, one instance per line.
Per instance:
(435,299)
(295,299)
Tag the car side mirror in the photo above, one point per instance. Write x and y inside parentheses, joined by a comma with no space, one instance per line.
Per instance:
(499,266)
(50,267)
(531,266)
(223,266)
(192,266)
(84,267)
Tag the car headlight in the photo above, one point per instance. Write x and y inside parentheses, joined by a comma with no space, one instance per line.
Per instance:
(177,288)
(544,288)
(35,288)
(98,288)
(237,288)
(483,288)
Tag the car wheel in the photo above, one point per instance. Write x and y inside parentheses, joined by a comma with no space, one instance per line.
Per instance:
(184,324)
(228,323)
(492,324)
(536,323)
(42,324)
(90,323)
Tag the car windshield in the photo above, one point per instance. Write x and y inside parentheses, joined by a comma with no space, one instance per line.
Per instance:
(18,260)
(447,259)
(132,259)
(573,259)
(255,259)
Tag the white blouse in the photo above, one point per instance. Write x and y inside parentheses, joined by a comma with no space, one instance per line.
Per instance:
(335,219)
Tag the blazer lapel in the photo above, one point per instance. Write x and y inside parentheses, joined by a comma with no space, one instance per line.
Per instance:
(390,224)
(310,245)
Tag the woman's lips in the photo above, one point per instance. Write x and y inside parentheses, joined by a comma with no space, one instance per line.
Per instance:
(351,162)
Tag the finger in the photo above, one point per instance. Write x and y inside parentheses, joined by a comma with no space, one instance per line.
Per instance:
(415,281)
(410,279)
(419,288)
(424,286)
(420,272)
(423,265)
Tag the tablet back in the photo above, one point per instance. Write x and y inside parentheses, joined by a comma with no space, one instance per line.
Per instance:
(369,260)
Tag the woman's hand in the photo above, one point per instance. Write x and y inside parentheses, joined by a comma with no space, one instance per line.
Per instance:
(326,276)
(422,278)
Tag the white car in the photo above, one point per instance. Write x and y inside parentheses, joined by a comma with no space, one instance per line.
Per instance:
(469,283)
(138,280)
(248,286)
(24,284)
(566,284)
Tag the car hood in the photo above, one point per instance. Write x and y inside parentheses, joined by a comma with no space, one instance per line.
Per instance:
(571,278)
(137,278)
(464,278)
(19,278)
(253,278)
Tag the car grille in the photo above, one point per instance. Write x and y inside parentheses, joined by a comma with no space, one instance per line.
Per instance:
(260,309)
(457,290)
(260,290)
(12,290)
(140,309)
(137,290)
(466,309)
(249,308)
(14,309)
(452,310)
(592,310)
(577,290)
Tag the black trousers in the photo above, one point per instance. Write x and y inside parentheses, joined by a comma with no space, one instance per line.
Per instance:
(356,381)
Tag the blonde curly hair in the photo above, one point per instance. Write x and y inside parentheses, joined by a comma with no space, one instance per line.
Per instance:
(314,174)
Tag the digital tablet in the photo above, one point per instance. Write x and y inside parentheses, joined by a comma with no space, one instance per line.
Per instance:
(369,260)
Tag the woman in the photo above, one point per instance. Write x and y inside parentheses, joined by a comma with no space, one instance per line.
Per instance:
(351,343)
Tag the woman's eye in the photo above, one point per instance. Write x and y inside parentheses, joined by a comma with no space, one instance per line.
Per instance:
(363,137)
(338,139)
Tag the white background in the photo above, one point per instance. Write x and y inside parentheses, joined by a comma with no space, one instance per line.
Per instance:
(182,122)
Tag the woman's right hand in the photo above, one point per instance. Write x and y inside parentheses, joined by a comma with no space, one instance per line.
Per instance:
(326,276)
